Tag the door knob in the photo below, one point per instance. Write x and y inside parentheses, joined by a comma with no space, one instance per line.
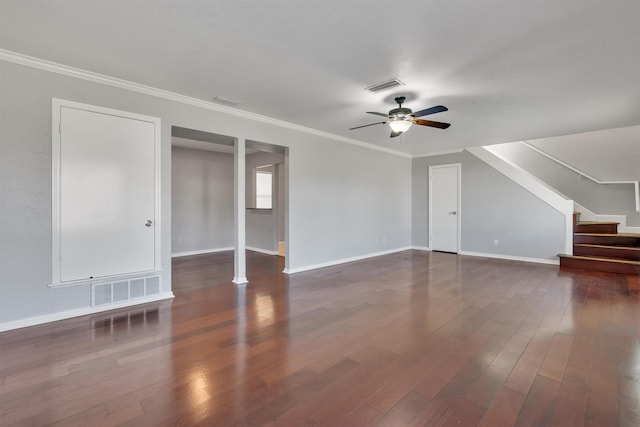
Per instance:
(149,223)
(453,213)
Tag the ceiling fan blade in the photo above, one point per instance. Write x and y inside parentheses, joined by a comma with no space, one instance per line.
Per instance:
(378,114)
(394,134)
(439,125)
(432,110)
(370,124)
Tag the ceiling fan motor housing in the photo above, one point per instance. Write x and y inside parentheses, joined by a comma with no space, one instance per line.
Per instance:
(400,113)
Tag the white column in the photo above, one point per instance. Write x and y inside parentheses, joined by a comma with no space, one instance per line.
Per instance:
(239,186)
(287,236)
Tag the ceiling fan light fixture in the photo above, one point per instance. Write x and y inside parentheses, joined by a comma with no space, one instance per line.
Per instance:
(400,125)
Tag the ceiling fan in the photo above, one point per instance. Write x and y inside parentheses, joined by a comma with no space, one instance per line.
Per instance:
(400,119)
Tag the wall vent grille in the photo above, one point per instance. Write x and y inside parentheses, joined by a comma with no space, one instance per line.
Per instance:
(384,85)
(226,101)
(124,290)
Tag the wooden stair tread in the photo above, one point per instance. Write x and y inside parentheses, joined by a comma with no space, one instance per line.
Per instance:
(598,246)
(609,235)
(599,259)
(597,223)
(591,245)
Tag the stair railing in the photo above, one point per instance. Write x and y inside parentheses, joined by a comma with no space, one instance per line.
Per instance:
(636,187)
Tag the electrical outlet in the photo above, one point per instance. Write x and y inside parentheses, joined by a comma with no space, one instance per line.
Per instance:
(496,242)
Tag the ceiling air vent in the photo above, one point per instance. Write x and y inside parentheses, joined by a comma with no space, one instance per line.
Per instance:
(384,85)
(225,101)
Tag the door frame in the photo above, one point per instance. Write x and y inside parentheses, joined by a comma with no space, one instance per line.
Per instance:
(458,167)
(56,190)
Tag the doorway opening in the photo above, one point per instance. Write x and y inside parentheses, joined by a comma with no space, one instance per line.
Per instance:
(202,202)
(267,198)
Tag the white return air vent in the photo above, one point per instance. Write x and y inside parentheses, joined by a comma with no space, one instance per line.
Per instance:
(122,290)
(384,85)
(226,101)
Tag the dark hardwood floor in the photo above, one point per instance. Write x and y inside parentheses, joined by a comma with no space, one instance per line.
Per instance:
(413,338)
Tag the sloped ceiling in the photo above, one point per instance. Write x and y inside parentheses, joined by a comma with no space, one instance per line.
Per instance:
(507,70)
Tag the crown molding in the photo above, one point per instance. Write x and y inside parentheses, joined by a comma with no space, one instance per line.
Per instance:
(78,73)
(438,153)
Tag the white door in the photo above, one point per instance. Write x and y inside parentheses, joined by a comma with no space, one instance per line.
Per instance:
(107,195)
(444,207)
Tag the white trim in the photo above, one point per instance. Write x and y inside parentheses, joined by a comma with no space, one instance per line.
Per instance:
(262,251)
(458,167)
(106,279)
(534,186)
(239,211)
(56,106)
(636,187)
(421,248)
(38,320)
(240,280)
(511,258)
(438,153)
(54,67)
(200,252)
(342,261)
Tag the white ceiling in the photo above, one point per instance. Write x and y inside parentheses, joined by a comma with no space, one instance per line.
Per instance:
(507,69)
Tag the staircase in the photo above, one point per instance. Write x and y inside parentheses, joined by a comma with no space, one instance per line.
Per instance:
(598,246)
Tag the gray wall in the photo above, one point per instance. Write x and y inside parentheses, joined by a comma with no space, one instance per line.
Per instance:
(605,199)
(492,207)
(352,201)
(261,230)
(343,199)
(201,200)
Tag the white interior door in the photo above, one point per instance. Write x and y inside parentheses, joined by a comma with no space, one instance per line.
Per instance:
(444,207)
(107,195)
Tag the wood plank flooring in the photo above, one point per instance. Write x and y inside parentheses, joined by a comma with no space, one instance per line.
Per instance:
(409,339)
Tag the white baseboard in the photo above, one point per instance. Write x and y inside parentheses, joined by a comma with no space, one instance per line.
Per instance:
(343,260)
(262,251)
(497,256)
(53,317)
(200,252)
(511,258)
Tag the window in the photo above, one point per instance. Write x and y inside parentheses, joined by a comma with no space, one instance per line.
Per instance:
(264,183)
